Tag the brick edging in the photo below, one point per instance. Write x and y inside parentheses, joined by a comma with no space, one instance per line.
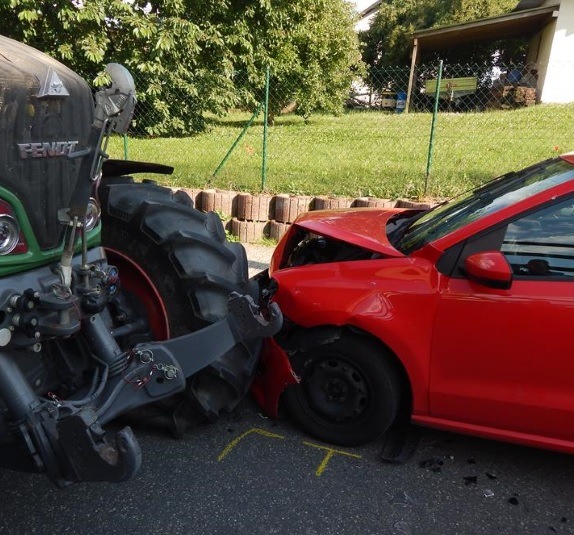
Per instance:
(253,217)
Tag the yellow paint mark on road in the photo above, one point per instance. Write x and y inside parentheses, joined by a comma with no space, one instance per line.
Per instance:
(237,440)
(328,456)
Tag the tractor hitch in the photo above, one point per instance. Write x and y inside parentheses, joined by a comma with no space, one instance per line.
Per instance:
(65,437)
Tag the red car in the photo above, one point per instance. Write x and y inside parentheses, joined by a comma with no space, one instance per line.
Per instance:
(458,318)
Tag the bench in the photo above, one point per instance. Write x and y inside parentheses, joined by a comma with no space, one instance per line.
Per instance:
(452,88)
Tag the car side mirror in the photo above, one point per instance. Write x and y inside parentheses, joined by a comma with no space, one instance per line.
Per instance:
(489,268)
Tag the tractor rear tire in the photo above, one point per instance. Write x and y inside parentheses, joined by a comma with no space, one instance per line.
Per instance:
(186,270)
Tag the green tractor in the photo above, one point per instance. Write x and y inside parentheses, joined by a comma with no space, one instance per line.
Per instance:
(114,294)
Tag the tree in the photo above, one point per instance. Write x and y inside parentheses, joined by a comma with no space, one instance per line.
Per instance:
(311,48)
(190,57)
(388,41)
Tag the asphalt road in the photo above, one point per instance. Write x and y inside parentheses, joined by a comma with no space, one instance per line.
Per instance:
(251,475)
(258,257)
(247,474)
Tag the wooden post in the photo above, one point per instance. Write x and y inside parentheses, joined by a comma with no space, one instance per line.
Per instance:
(414,61)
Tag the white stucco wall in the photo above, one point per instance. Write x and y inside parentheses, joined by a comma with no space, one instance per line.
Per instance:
(556,59)
(539,50)
(360,5)
(364,24)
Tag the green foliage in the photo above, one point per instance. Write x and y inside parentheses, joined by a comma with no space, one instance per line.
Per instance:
(388,42)
(312,50)
(196,57)
(467,10)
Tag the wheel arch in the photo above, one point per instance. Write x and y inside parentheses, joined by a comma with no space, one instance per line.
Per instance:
(304,338)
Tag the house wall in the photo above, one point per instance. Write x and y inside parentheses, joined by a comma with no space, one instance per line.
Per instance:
(363,7)
(539,52)
(364,23)
(556,57)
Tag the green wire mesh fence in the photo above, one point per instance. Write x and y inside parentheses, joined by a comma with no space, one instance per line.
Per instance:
(484,121)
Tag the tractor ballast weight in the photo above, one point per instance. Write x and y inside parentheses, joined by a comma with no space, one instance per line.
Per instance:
(113,294)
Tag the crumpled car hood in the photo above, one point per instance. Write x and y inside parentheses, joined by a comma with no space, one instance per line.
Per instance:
(365,227)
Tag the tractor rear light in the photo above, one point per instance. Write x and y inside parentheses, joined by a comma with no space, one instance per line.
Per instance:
(11,236)
(93,214)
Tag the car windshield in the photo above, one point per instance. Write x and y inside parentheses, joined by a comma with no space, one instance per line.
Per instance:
(494,196)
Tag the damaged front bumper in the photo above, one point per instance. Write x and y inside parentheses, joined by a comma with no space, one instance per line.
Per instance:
(275,371)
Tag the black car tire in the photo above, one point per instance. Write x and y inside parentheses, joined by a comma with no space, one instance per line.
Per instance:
(349,392)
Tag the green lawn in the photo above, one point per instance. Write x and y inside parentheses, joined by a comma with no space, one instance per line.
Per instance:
(362,153)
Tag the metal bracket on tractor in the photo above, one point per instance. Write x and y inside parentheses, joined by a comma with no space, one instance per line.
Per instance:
(156,372)
(65,439)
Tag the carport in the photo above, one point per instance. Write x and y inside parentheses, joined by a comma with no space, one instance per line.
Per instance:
(536,24)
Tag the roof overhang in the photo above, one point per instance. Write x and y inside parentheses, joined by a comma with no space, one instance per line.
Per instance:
(524,23)
(370,10)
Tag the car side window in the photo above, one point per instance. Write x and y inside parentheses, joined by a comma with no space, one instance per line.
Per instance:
(537,244)
(541,243)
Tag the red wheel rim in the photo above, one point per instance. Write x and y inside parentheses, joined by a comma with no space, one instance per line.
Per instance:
(135,280)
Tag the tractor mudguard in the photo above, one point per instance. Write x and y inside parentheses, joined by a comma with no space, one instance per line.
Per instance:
(116,168)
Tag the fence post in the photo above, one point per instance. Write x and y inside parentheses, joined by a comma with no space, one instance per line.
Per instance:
(433,124)
(266,119)
(126,147)
(239,138)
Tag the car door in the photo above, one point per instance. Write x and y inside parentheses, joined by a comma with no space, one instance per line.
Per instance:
(504,358)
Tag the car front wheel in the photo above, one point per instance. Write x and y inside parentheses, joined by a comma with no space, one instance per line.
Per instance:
(349,391)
